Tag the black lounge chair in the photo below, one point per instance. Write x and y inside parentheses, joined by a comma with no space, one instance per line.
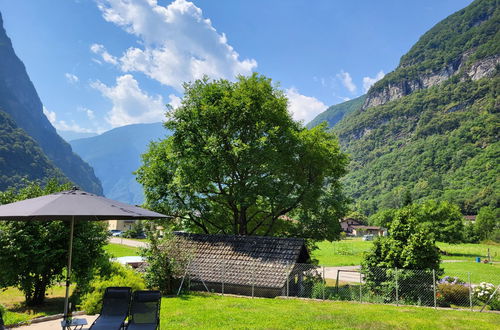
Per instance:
(115,305)
(1,321)
(145,311)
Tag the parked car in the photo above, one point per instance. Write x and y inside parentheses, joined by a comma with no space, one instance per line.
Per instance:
(368,237)
(141,236)
(115,232)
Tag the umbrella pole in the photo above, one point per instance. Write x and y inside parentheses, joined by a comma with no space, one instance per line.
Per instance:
(68,271)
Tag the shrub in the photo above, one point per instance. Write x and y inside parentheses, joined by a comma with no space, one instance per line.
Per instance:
(453,291)
(121,276)
(167,259)
(483,291)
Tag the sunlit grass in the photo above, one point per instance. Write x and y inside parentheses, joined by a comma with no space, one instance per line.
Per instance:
(216,312)
(118,250)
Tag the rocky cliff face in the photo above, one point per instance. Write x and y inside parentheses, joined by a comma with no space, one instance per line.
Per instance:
(480,69)
(466,45)
(19,99)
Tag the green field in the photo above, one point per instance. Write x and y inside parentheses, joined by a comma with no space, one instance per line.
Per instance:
(118,250)
(350,252)
(216,312)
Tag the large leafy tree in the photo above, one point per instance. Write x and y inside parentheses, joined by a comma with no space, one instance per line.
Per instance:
(238,163)
(34,253)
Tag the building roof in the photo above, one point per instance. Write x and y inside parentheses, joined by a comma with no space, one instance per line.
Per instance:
(243,260)
(366,227)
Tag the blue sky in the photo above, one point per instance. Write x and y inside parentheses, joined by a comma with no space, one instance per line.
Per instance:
(100,64)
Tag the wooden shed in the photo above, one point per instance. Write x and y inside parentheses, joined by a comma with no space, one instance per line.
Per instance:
(247,265)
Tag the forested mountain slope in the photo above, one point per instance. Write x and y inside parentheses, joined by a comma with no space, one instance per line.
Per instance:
(336,112)
(431,127)
(19,99)
(21,157)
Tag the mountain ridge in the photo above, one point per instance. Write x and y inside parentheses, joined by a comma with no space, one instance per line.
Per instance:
(436,141)
(19,99)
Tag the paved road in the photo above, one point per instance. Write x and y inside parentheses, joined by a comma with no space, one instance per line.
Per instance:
(347,274)
(128,242)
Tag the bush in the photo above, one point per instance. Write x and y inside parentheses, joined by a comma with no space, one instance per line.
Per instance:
(167,259)
(121,276)
(452,291)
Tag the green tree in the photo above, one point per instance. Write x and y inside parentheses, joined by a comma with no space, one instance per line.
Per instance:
(444,219)
(410,247)
(487,222)
(34,253)
(238,163)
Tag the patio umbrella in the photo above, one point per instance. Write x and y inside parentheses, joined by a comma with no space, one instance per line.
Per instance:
(73,205)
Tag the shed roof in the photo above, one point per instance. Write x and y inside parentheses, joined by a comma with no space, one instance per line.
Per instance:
(243,260)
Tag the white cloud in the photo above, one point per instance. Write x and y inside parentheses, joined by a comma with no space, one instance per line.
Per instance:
(62,125)
(90,113)
(101,50)
(130,104)
(346,79)
(303,107)
(368,81)
(71,78)
(179,44)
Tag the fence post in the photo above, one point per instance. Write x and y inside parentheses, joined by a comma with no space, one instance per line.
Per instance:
(360,288)
(223,274)
(434,287)
(253,280)
(287,279)
(470,291)
(324,282)
(397,289)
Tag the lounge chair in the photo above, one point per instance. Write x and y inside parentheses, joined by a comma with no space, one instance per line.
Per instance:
(145,311)
(1,321)
(115,306)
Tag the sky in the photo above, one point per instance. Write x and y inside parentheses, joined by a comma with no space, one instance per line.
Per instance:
(101,64)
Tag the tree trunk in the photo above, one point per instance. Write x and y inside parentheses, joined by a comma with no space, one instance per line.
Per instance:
(38,295)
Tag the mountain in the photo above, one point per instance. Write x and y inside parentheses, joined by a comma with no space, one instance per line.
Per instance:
(19,99)
(70,135)
(336,112)
(21,157)
(430,128)
(115,154)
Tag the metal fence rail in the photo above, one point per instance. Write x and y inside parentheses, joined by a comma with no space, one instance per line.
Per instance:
(386,286)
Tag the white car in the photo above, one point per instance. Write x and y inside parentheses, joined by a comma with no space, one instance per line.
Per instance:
(368,237)
(115,232)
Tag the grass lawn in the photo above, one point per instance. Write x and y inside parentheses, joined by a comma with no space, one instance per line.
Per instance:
(118,250)
(349,252)
(470,251)
(12,299)
(215,312)
(479,272)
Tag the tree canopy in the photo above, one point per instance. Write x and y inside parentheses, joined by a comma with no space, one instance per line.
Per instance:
(238,163)
(35,252)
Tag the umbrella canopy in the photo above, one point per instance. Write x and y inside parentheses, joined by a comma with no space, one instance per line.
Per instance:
(73,205)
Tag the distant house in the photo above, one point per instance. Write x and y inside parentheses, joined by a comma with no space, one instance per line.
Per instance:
(470,218)
(247,265)
(353,227)
(347,223)
(360,230)
(122,225)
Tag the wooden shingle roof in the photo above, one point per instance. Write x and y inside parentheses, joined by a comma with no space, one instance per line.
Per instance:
(243,260)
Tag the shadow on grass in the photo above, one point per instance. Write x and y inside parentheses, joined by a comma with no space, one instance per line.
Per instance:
(51,306)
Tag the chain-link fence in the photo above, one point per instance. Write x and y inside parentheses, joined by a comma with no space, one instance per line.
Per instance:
(377,285)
